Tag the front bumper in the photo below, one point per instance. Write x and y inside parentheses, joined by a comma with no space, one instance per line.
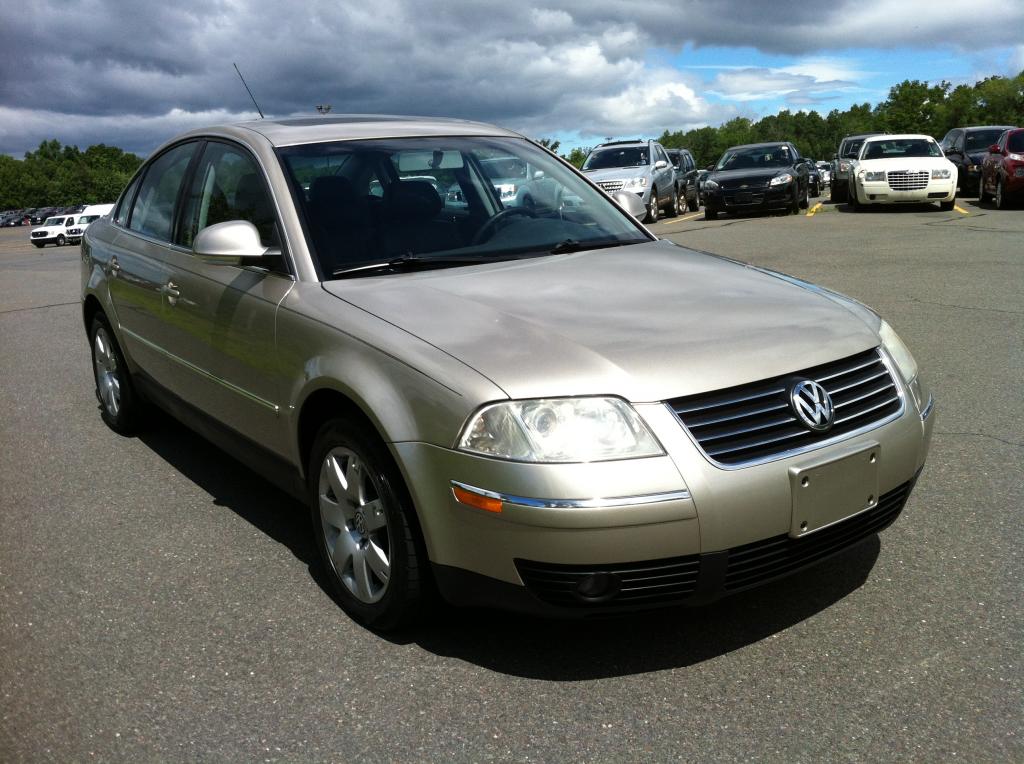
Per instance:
(750,200)
(695,532)
(879,192)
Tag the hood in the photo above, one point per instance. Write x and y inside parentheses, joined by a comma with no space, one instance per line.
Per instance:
(618,173)
(647,322)
(977,157)
(752,176)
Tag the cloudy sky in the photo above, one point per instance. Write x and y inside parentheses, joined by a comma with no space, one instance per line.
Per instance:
(132,74)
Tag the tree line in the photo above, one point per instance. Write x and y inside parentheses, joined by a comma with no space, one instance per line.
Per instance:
(911,107)
(56,175)
(65,175)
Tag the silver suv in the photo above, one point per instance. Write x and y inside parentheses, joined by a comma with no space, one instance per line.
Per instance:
(642,167)
(536,407)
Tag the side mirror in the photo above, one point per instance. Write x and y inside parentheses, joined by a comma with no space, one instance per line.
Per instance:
(835,156)
(710,168)
(631,203)
(538,175)
(228,243)
(994,149)
(661,164)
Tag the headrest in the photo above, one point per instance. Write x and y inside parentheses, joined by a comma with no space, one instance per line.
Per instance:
(415,199)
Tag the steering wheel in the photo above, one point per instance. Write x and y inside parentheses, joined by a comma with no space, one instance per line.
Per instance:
(488,229)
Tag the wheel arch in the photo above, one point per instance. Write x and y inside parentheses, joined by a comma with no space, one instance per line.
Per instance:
(90,307)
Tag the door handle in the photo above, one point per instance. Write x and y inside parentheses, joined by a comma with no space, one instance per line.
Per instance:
(115,267)
(170,289)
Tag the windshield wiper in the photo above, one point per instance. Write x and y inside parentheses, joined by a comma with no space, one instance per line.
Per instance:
(410,262)
(572,245)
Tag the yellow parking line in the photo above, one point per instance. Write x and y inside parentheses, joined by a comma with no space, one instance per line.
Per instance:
(812,210)
(669,221)
(960,209)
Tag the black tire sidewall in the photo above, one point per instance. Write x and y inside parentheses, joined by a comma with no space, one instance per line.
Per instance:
(403,601)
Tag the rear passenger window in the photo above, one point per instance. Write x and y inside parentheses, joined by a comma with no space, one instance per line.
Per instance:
(153,211)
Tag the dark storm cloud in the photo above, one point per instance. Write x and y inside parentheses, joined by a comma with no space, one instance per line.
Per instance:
(132,73)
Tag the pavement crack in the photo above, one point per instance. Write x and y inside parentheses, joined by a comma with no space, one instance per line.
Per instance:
(981,435)
(966,307)
(40,307)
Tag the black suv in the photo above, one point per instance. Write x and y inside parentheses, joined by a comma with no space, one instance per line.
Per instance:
(966,147)
(757,177)
(687,194)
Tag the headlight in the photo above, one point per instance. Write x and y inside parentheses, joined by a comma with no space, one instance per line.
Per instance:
(844,166)
(635,183)
(551,430)
(940,173)
(874,176)
(781,180)
(971,167)
(1015,157)
(710,185)
(900,354)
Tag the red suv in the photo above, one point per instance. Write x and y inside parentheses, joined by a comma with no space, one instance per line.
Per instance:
(1002,172)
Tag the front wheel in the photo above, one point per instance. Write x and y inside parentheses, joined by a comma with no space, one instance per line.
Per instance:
(1000,195)
(38,244)
(947,206)
(837,193)
(652,208)
(983,195)
(61,240)
(710,214)
(693,204)
(363,527)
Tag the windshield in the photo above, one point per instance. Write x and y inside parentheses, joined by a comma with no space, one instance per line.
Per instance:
(900,148)
(752,158)
(54,221)
(980,140)
(620,156)
(1015,143)
(455,200)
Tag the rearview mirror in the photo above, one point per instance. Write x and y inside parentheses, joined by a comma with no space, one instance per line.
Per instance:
(228,243)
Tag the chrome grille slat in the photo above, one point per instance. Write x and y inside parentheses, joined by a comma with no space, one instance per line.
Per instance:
(902,180)
(747,425)
(611,185)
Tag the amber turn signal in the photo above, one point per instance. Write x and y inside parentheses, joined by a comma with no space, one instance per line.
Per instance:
(486,503)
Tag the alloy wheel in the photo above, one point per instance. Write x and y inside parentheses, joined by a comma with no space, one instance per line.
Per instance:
(108,380)
(355,524)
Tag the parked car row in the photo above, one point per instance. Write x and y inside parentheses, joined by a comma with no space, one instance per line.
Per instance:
(67,229)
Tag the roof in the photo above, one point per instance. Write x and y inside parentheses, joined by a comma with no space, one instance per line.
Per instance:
(760,145)
(898,136)
(350,127)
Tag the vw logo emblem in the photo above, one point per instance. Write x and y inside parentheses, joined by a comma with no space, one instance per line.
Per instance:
(812,405)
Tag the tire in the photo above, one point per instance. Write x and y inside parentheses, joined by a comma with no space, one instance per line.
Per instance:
(1000,197)
(652,209)
(710,214)
(673,207)
(948,206)
(38,244)
(61,240)
(837,193)
(983,196)
(851,201)
(120,405)
(805,203)
(364,527)
(794,206)
(693,204)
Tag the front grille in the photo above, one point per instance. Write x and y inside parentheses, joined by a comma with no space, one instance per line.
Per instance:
(610,185)
(756,563)
(754,423)
(902,180)
(639,583)
(38,234)
(744,197)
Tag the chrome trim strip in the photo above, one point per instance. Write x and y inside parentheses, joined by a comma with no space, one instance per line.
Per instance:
(616,501)
(928,408)
(897,382)
(203,373)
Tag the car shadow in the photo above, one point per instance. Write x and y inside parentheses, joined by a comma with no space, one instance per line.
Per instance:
(526,646)
(887,209)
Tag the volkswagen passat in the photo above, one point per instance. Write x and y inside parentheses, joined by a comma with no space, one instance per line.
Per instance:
(536,407)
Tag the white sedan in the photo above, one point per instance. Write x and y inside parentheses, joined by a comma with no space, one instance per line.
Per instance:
(902,169)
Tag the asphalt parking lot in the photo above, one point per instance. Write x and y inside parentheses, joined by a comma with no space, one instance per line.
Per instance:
(157,599)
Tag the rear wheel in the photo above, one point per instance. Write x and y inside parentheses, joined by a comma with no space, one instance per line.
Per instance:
(693,204)
(837,193)
(673,207)
(120,406)
(363,527)
(983,195)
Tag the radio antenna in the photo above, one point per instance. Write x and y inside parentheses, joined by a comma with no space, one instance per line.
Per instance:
(249,91)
